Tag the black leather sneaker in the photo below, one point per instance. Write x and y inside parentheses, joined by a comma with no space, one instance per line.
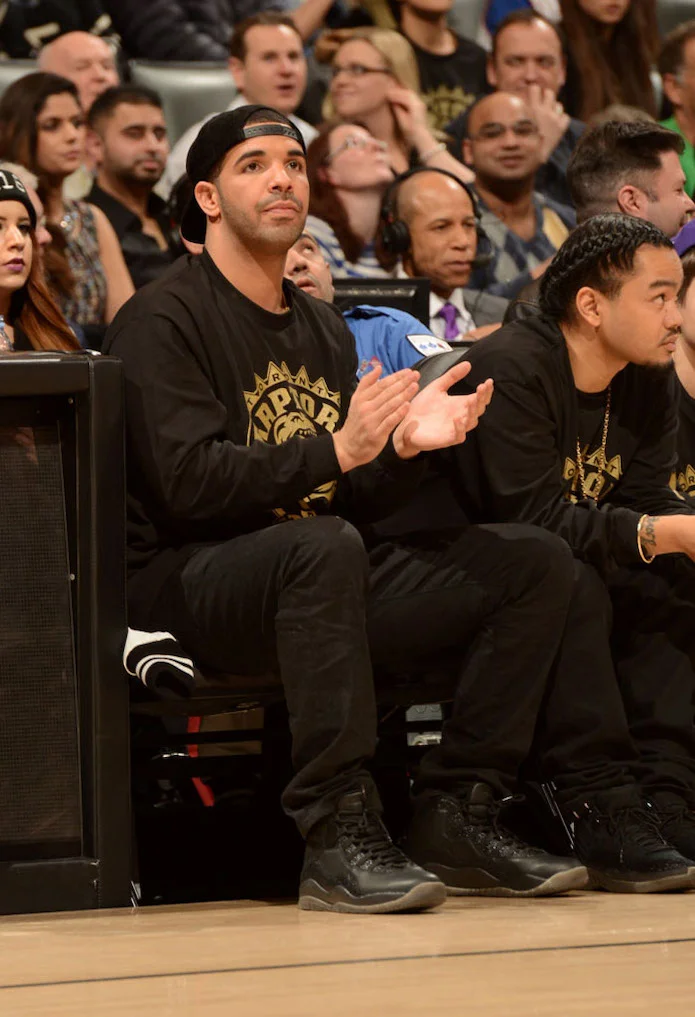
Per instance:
(459,838)
(351,864)
(617,836)
(676,821)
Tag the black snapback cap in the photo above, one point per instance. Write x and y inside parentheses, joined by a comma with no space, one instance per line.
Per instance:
(215,138)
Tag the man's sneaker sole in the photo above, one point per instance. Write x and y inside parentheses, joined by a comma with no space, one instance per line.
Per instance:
(478,883)
(621,883)
(313,897)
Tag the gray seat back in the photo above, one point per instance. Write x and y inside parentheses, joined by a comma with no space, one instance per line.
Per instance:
(11,70)
(190,91)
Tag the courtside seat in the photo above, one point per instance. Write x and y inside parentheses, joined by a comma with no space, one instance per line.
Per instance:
(190,90)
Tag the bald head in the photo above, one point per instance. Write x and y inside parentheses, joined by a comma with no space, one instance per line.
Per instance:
(427,191)
(503,143)
(84,59)
(442,225)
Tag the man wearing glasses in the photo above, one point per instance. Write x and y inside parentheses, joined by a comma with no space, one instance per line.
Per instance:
(526,228)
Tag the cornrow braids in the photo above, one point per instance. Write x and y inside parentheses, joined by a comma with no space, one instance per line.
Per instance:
(599,253)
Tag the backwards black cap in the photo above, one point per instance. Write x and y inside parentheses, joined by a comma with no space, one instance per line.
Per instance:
(215,138)
(12,189)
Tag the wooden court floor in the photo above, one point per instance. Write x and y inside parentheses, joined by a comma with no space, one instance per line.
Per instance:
(587,953)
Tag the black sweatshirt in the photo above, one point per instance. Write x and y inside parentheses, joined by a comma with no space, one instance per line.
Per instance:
(28,25)
(229,415)
(683,476)
(520,462)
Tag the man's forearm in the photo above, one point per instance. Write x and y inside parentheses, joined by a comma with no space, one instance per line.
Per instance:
(667,535)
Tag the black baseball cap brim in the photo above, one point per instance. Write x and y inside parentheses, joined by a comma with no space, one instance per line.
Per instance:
(215,139)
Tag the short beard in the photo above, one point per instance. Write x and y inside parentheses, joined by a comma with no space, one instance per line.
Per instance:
(657,371)
(273,240)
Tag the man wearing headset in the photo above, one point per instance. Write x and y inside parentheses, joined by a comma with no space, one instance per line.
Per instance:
(430,222)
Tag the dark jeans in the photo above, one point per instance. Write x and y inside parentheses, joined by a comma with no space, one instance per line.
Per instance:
(307,599)
(619,706)
(653,642)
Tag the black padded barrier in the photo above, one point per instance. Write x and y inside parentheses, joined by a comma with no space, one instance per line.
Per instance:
(65,830)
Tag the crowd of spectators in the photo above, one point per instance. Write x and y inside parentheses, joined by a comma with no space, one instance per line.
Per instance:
(414,153)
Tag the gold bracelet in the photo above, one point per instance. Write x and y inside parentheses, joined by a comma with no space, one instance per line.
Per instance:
(642,555)
(433,151)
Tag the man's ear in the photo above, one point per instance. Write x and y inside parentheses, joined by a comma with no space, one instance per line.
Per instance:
(588,307)
(631,200)
(94,148)
(673,90)
(467,152)
(208,198)
(236,69)
(490,72)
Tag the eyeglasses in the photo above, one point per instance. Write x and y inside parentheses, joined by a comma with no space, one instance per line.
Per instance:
(521,129)
(358,70)
(358,141)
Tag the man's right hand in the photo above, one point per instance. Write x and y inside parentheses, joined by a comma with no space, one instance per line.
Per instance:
(377,407)
(550,116)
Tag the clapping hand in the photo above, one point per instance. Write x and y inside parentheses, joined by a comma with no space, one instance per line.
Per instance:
(435,419)
(377,406)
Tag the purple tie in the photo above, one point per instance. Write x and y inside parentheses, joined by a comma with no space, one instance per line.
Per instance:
(449,313)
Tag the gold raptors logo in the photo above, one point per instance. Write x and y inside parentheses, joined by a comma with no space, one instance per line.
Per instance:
(285,405)
(444,104)
(600,481)
(683,482)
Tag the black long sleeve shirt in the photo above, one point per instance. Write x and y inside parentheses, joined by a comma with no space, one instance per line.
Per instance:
(520,464)
(230,411)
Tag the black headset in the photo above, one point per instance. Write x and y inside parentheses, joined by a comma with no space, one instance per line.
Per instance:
(395,235)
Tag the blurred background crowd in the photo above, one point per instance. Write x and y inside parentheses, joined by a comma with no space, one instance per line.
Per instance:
(101,101)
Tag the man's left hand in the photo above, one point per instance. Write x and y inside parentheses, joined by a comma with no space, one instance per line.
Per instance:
(436,419)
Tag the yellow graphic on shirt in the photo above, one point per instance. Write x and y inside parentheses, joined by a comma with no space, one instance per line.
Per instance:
(285,405)
(683,482)
(599,481)
(444,104)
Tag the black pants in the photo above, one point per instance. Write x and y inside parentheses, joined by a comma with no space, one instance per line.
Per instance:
(619,706)
(653,642)
(306,598)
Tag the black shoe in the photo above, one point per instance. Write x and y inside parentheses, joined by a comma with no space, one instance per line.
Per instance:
(459,838)
(351,864)
(617,837)
(676,819)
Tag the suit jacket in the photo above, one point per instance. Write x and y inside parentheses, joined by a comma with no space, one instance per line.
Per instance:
(485,308)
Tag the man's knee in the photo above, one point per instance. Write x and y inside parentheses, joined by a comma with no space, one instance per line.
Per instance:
(329,544)
(540,556)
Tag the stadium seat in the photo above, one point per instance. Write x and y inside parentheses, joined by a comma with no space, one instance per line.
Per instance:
(189,91)
(10,70)
(670,13)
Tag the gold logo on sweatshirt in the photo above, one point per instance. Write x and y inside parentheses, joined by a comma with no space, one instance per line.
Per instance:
(683,482)
(600,481)
(284,405)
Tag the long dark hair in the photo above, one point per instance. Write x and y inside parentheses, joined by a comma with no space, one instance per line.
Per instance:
(325,204)
(614,70)
(20,107)
(37,314)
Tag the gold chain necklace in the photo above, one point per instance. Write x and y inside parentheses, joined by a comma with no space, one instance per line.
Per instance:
(602,450)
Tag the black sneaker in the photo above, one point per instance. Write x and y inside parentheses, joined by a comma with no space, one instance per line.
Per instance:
(351,864)
(676,819)
(459,838)
(617,837)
